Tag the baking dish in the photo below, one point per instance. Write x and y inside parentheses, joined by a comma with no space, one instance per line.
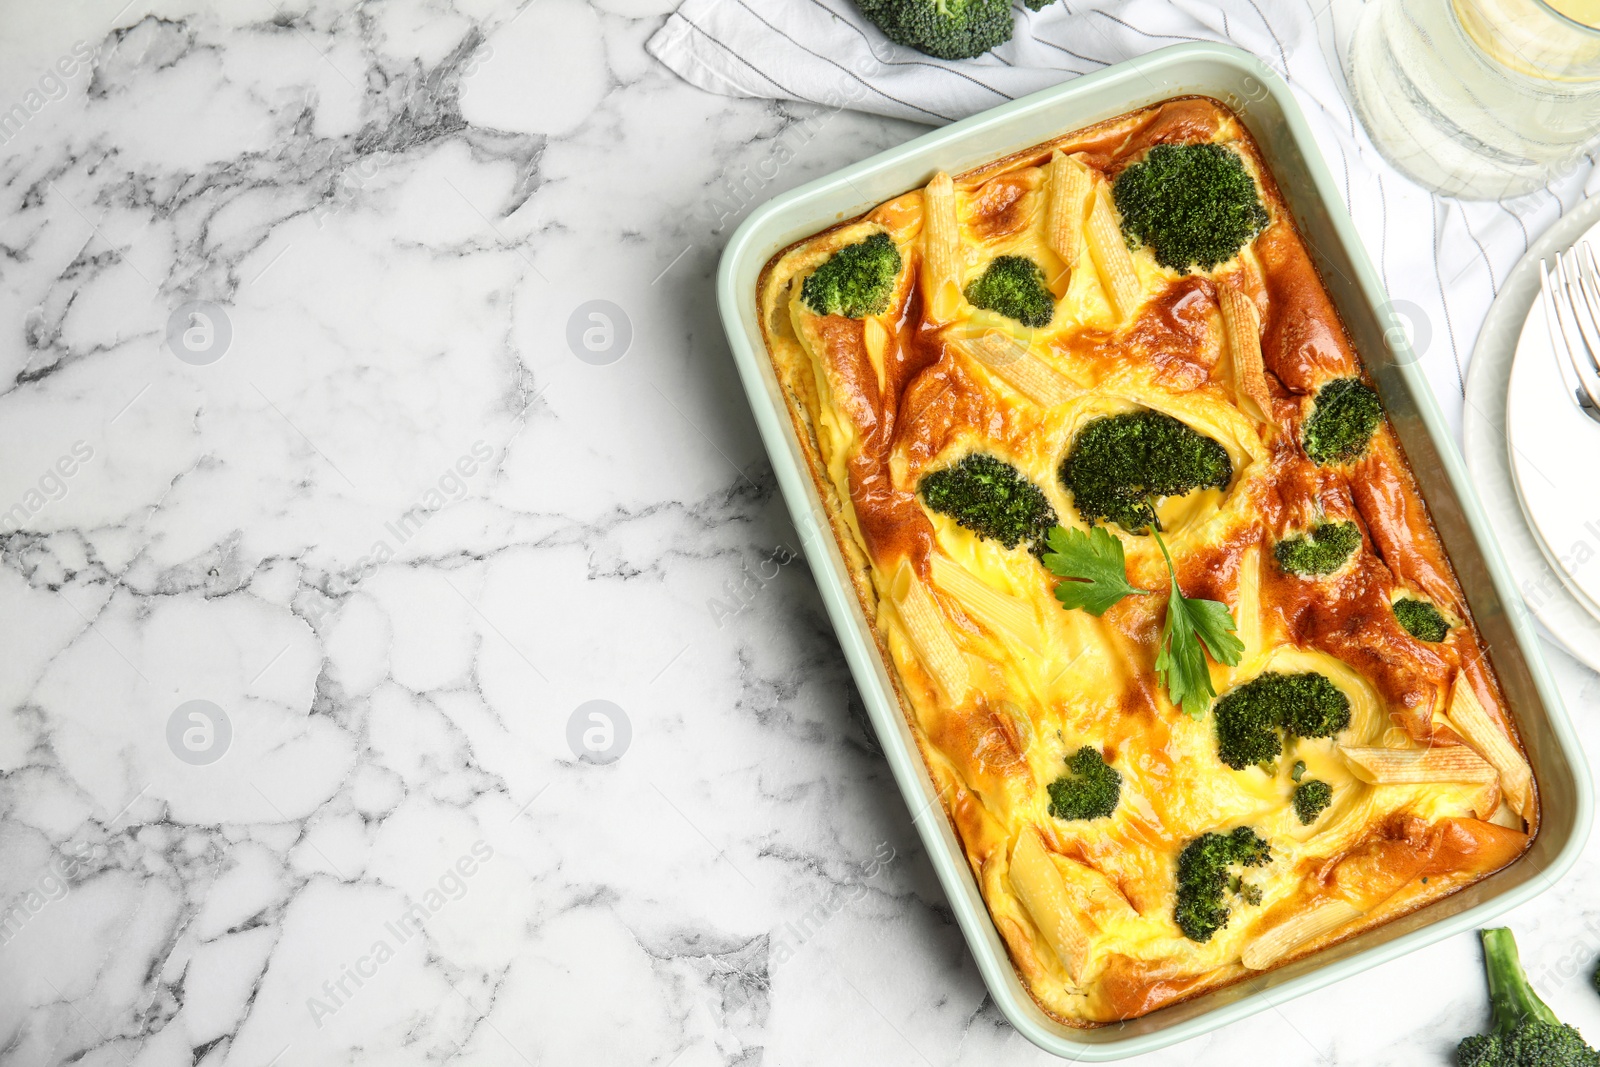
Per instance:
(1263,102)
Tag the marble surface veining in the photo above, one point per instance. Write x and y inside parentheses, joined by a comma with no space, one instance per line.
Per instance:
(328,509)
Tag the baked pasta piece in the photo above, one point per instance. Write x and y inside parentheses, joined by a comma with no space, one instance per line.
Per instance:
(1121,332)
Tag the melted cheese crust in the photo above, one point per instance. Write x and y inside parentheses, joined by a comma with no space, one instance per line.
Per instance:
(1086,908)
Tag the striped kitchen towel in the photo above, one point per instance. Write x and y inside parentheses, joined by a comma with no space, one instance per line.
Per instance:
(1441,259)
(826,52)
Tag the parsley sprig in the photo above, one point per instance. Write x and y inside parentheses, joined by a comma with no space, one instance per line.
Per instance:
(1095,562)
(1097,578)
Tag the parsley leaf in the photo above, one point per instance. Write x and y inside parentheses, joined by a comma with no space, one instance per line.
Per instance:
(1192,628)
(1093,563)
(1214,625)
(1097,578)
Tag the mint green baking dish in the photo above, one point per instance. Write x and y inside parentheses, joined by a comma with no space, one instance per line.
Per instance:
(1269,110)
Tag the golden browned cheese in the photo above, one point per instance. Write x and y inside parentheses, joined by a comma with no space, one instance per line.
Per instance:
(1000,684)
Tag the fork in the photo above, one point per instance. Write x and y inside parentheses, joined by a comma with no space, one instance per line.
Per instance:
(1572,312)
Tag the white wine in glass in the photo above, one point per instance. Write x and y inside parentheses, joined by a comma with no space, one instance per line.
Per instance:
(1481,99)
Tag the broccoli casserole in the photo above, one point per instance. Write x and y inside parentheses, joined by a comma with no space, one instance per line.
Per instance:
(1163,605)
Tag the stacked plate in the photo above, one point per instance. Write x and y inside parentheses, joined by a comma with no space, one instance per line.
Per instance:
(1534,454)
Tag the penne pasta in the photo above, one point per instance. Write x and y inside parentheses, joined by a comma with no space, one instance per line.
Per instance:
(1297,930)
(1020,724)
(1069,182)
(1241,322)
(1487,801)
(1009,359)
(1468,719)
(1412,766)
(1041,889)
(941,249)
(875,336)
(926,627)
(1247,608)
(1110,254)
(999,612)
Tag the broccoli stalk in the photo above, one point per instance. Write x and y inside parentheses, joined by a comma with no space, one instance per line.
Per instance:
(856,281)
(945,29)
(992,499)
(1089,791)
(1526,1032)
(1014,286)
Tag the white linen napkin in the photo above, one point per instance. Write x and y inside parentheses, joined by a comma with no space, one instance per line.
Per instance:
(1441,259)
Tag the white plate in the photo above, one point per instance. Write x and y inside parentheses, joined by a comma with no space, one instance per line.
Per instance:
(1483,424)
(1554,449)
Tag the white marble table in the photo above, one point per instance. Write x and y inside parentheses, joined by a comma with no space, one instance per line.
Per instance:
(304,418)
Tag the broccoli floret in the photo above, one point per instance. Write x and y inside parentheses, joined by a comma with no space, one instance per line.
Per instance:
(1314,706)
(1526,1032)
(946,29)
(1203,868)
(1322,551)
(1342,420)
(855,281)
(1248,729)
(1535,1044)
(992,499)
(1014,286)
(1251,718)
(1421,619)
(1119,462)
(1311,799)
(1089,790)
(1193,204)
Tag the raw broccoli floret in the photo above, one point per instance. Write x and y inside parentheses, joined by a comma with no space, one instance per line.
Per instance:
(1203,878)
(1089,790)
(855,281)
(1526,1032)
(1322,551)
(1311,799)
(946,29)
(1421,619)
(1252,718)
(992,499)
(1119,462)
(1342,420)
(1193,204)
(1014,286)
